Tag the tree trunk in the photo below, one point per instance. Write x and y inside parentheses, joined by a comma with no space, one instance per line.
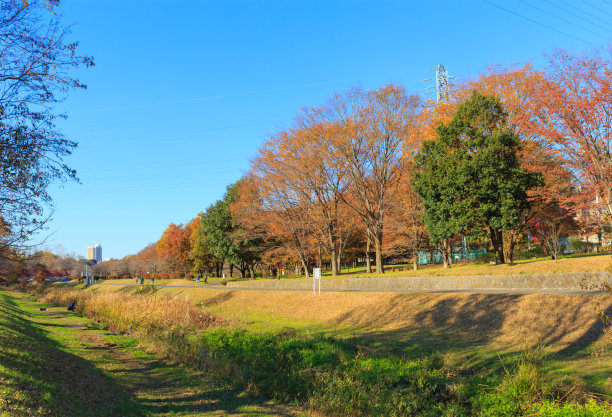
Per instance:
(334,261)
(380,268)
(368,262)
(497,240)
(252,271)
(509,242)
(415,263)
(305,265)
(231,268)
(444,250)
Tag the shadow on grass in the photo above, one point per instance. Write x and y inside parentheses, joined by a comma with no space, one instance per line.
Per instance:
(592,334)
(43,376)
(477,320)
(49,378)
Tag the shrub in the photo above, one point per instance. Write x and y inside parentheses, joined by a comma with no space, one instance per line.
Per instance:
(485,257)
(536,251)
(522,385)
(578,245)
(41,275)
(145,314)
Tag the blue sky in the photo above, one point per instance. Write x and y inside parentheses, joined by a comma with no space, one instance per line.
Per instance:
(183,93)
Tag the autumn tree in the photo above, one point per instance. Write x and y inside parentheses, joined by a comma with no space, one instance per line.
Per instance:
(175,245)
(470,175)
(36,62)
(374,127)
(267,209)
(407,232)
(572,112)
(313,182)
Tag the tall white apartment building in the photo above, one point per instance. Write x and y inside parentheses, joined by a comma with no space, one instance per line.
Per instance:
(94,253)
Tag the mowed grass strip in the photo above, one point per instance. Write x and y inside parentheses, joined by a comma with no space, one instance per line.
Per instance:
(39,376)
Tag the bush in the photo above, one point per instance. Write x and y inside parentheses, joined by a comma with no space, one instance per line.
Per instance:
(485,257)
(536,252)
(578,245)
(328,374)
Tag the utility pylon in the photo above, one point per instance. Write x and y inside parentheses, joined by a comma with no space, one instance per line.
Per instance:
(442,85)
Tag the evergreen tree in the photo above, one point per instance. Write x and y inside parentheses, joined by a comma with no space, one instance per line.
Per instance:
(469,177)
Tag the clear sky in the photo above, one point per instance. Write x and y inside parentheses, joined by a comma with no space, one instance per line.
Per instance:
(184,92)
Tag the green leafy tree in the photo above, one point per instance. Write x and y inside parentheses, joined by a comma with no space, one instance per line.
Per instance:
(202,259)
(469,177)
(225,238)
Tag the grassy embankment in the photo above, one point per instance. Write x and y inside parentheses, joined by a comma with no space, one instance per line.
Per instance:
(39,376)
(56,363)
(387,354)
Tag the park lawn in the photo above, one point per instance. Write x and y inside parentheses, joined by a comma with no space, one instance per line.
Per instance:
(572,263)
(56,363)
(594,262)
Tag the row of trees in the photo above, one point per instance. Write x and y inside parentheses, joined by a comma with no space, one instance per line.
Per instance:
(516,151)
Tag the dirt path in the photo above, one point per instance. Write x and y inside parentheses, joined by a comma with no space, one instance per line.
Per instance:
(156,386)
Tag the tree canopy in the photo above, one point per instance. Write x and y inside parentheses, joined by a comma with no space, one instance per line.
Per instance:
(470,176)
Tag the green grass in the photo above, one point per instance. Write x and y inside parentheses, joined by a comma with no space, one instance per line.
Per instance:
(339,377)
(57,363)
(41,376)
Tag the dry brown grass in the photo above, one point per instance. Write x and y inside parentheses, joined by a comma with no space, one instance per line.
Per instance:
(143,312)
(537,266)
(564,320)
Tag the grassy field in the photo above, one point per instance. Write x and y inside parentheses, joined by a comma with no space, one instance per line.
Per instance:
(55,363)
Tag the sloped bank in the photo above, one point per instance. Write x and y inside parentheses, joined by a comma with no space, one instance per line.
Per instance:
(553,282)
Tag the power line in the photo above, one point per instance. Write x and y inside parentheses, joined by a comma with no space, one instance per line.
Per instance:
(578,10)
(537,23)
(246,93)
(562,19)
(596,8)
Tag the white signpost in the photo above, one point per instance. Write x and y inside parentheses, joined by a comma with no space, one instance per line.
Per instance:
(316,275)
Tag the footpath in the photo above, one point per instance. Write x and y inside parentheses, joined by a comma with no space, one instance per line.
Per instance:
(53,362)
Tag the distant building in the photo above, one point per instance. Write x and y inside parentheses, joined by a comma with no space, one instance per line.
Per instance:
(94,253)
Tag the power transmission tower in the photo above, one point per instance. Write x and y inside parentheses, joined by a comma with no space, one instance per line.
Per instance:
(442,85)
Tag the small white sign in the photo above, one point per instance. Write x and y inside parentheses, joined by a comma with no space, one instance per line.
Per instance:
(316,275)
